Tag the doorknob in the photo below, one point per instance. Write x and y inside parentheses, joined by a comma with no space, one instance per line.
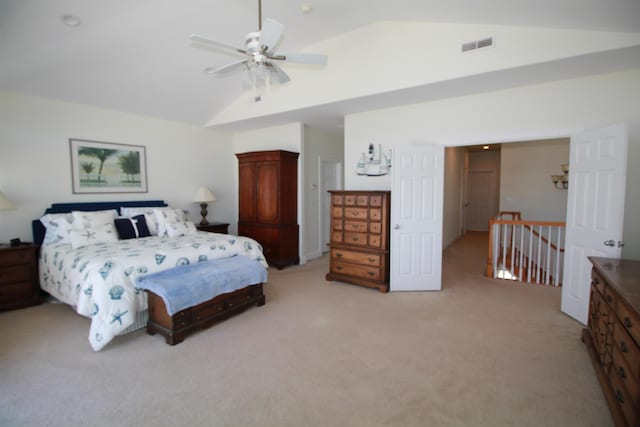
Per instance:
(609,243)
(620,244)
(395,227)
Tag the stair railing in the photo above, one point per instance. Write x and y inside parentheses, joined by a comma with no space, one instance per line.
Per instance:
(527,251)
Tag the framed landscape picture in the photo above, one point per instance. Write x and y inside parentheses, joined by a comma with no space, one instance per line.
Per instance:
(105,167)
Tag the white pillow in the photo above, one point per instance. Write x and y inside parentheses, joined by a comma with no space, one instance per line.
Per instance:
(58,227)
(166,216)
(93,219)
(105,233)
(185,228)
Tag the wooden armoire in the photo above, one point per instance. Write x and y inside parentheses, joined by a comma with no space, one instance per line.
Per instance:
(268,203)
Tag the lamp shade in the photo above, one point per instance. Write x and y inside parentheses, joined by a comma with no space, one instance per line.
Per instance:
(203,195)
(5,204)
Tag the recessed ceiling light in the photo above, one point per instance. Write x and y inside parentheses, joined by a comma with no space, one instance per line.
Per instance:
(306,7)
(485,147)
(70,20)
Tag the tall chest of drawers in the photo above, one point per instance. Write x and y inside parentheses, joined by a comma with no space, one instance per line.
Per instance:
(360,238)
(613,335)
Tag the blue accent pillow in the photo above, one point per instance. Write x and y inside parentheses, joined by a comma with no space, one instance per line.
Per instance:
(132,228)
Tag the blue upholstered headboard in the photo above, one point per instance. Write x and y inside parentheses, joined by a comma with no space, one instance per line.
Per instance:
(38,228)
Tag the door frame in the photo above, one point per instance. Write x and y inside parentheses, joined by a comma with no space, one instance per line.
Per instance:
(322,189)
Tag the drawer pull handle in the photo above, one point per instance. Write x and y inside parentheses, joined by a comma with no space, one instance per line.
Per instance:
(371,259)
(622,373)
(338,255)
(355,239)
(356,226)
(623,347)
(619,396)
(627,322)
(355,213)
(371,273)
(339,268)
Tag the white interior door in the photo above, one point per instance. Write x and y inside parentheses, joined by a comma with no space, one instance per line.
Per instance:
(597,175)
(483,197)
(416,218)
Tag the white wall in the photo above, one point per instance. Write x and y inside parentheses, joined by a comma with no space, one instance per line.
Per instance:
(35,166)
(550,110)
(317,145)
(526,184)
(415,54)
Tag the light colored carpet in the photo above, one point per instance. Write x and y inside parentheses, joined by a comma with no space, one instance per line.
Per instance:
(482,352)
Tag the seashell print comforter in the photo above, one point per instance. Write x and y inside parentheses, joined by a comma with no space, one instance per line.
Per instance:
(99,280)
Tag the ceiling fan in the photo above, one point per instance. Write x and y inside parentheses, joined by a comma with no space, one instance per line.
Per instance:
(259,56)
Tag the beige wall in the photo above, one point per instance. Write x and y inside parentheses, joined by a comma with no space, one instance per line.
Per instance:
(35,166)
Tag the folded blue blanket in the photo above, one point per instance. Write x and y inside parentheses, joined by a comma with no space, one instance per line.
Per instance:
(189,285)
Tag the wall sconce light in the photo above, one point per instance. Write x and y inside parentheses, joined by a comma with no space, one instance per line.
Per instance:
(561,181)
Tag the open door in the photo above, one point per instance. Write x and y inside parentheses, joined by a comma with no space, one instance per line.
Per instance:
(416,218)
(595,211)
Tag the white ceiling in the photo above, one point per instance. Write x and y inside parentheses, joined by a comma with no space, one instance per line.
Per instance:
(135,56)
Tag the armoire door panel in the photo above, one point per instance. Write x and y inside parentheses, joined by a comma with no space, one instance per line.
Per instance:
(268,193)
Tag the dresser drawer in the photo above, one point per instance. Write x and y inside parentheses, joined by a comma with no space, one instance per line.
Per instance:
(336,224)
(625,401)
(373,260)
(336,212)
(375,214)
(375,201)
(362,200)
(597,282)
(357,226)
(622,370)
(16,291)
(16,273)
(350,199)
(356,213)
(336,236)
(17,256)
(372,273)
(630,320)
(356,238)
(337,199)
(610,296)
(375,227)
(628,349)
(375,241)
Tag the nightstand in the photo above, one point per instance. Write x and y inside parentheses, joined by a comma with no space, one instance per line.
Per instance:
(214,227)
(19,283)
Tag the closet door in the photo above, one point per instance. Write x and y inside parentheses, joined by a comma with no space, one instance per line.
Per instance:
(268,192)
(246,184)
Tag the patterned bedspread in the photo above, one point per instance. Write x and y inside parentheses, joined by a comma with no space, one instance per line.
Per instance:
(99,280)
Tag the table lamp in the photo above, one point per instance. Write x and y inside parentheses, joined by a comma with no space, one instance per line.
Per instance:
(203,196)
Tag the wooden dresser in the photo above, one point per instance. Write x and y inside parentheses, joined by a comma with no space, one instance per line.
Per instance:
(613,335)
(268,203)
(19,284)
(360,238)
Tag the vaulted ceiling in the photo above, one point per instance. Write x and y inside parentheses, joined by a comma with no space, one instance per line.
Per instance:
(135,56)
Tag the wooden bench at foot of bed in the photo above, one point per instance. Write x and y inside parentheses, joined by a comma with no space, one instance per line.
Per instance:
(175,328)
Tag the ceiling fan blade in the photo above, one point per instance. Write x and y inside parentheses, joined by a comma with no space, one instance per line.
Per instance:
(212,43)
(280,74)
(270,34)
(302,58)
(229,67)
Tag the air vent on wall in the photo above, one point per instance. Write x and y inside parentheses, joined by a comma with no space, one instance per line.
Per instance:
(477,44)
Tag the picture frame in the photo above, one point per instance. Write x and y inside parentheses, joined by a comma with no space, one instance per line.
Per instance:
(107,167)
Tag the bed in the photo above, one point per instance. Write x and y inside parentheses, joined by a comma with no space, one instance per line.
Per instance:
(96,274)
